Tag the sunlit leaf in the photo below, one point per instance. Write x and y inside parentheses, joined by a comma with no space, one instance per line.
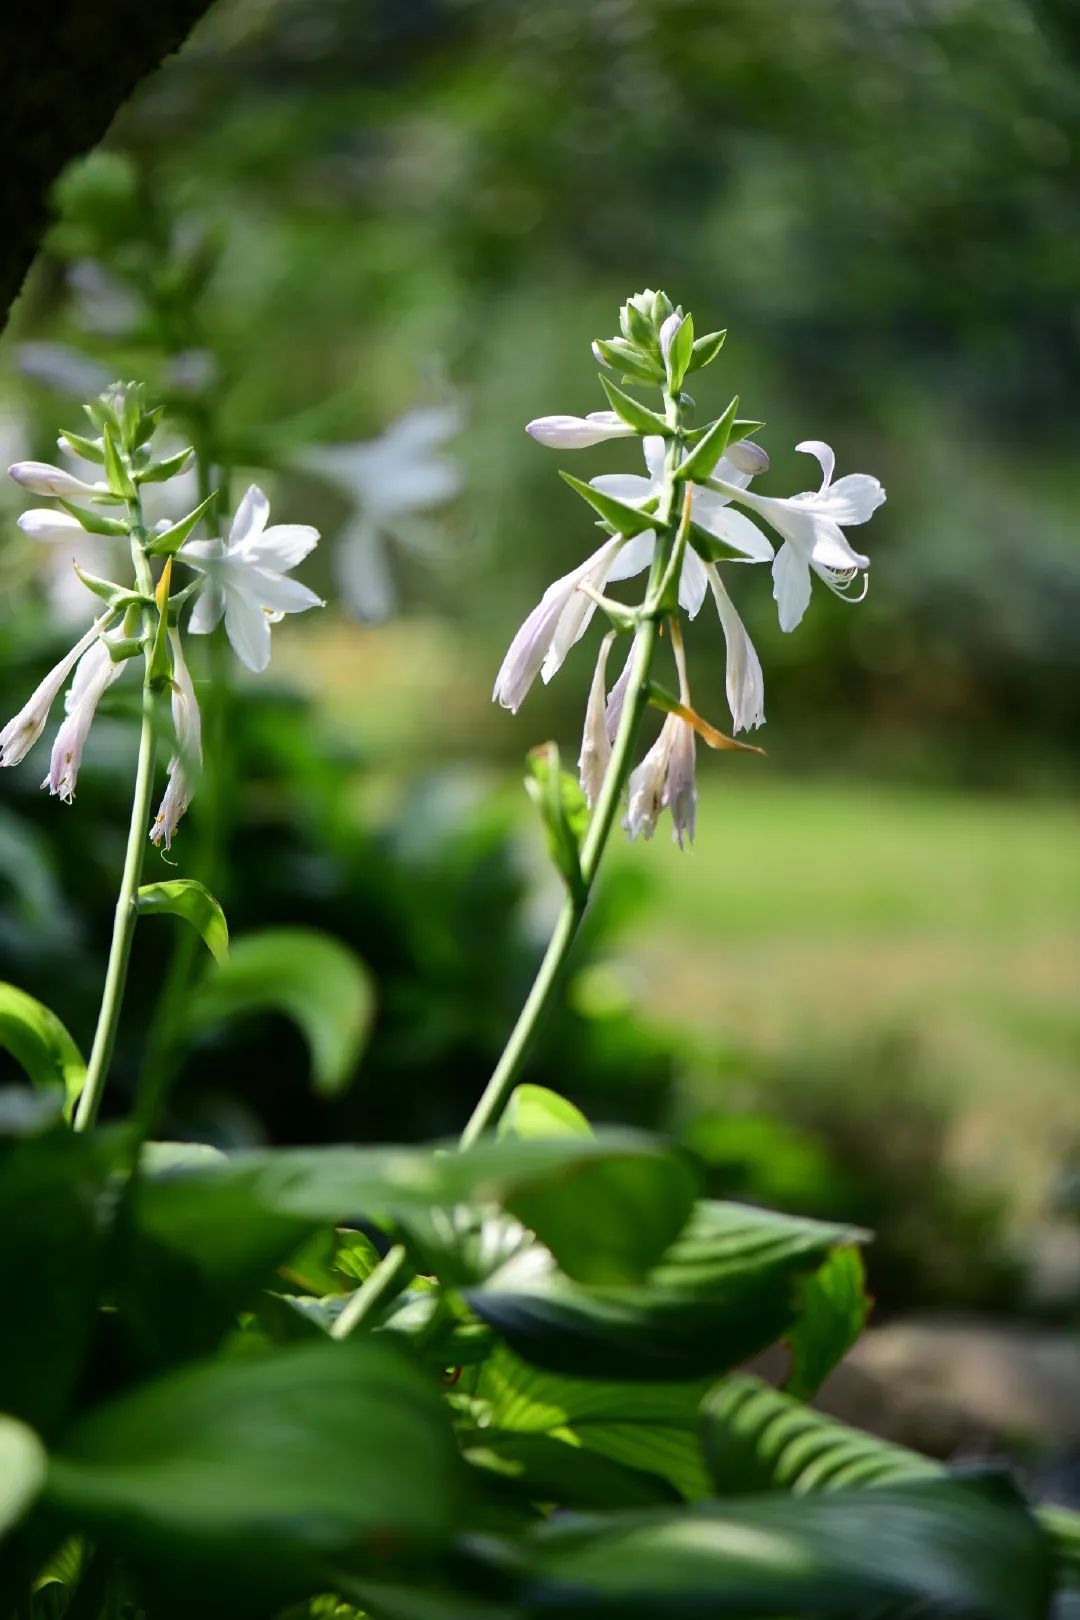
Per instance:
(189,899)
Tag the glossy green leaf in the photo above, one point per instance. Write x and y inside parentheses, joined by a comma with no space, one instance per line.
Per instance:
(259,1470)
(650,1428)
(833,1307)
(95,522)
(633,412)
(705,350)
(724,1289)
(191,900)
(535,1112)
(158,472)
(169,541)
(962,1548)
(625,520)
(679,352)
(22,1471)
(707,452)
(39,1043)
(755,1438)
(308,977)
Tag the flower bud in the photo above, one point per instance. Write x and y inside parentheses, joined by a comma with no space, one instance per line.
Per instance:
(42,523)
(42,479)
(748,457)
(577,432)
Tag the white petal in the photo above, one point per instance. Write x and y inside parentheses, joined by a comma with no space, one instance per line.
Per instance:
(42,523)
(202,551)
(635,556)
(714,513)
(363,573)
(668,331)
(679,793)
(281,547)
(693,583)
(276,592)
(95,674)
(824,454)
(646,785)
(23,730)
(617,697)
(531,646)
(425,427)
(745,682)
(791,585)
(853,498)
(627,487)
(251,516)
(595,752)
(655,449)
(248,629)
(209,606)
(579,608)
(830,547)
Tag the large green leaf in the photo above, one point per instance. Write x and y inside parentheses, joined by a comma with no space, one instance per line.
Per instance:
(260,1471)
(53,1217)
(22,1471)
(649,1428)
(39,1043)
(310,978)
(203,1237)
(757,1439)
(958,1548)
(725,1289)
(191,900)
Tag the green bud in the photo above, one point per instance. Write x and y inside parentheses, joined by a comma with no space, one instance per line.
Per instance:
(563,810)
(115,471)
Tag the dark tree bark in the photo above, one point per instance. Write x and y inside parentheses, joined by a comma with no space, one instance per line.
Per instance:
(69,65)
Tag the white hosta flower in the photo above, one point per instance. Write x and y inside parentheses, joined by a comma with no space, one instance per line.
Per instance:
(709,509)
(387,481)
(665,780)
(745,682)
(94,676)
(42,479)
(578,432)
(245,578)
(59,366)
(186,763)
(617,697)
(595,753)
(559,619)
(22,732)
(42,523)
(811,527)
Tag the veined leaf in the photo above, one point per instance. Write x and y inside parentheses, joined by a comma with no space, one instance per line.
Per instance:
(189,899)
(833,1307)
(40,1044)
(308,977)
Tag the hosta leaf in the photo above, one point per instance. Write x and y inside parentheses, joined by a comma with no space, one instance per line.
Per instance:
(725,1289)
(960,1548)
(535,1112)
(833,1307)
(308,977)
(256,1471)
(189,899)
(39,1043)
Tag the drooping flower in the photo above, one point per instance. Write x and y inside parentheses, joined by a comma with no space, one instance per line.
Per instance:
(388,482)
(246,578)
(578,432)
(186,763)
(23,730)
(94,676)
(665,779)
(558,620)
(745,682)
(810,525)
(595,755)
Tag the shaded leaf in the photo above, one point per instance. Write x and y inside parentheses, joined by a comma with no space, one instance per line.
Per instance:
(39,1043)
(191,900)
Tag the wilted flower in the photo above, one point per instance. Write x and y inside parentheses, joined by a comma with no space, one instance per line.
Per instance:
(810,524)
(22,732)
(665,779)
(186,762)
(245,578)
(94,676)
(386,480)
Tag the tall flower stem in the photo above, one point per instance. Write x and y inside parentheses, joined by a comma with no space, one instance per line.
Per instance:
(112,995)
(394,1271)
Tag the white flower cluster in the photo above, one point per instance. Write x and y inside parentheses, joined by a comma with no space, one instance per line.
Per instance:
(810,527)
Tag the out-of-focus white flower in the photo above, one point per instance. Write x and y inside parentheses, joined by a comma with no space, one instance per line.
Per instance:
(22,732)
(104,304)
(595,754)
(709,509)
(578,432)
(192,371)
(94,676)
(186,763)
(810,525)
(59,366)
(558,620)
(245,578)
(387,482)
(42,479)
(745,682)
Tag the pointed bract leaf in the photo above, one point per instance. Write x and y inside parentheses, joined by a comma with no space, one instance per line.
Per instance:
(625,520)
(119,479)
(157,472)
(88,449)
(705,350)
(561,803)
(188,898)
(633,413)
(697,466)
(96,522)
(169,541)
(630,360)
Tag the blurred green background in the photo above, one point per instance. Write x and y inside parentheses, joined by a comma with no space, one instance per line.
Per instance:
(857,995)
